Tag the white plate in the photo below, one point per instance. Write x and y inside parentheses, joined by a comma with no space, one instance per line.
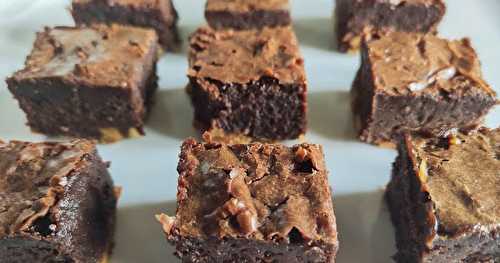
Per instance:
(146,167)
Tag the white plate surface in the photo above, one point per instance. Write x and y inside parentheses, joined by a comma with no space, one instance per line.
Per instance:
(146,167)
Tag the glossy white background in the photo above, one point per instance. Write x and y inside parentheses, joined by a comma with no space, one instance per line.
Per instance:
(146,167)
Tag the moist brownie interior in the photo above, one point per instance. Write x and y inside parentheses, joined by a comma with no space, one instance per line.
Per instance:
(249,82)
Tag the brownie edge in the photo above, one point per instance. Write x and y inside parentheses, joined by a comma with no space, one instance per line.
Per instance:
(240,202)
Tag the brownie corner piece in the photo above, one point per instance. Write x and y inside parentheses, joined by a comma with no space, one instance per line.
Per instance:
(88,82)
(355,19)
(244,15)
(444,198)
(252,203)
(248,84)
(158,15)
(411,82)
(57,203)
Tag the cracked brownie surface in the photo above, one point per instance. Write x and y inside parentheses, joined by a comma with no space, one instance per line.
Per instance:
(262,198)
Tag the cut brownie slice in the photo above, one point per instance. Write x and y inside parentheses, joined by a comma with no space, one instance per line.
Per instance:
(413,82)
(444,198)
(159,15)
(57,203)
(252,203)
(88,82)
(250,84)
(378,17)
(247,14)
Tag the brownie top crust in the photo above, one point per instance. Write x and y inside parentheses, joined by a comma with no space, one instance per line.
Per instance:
(408,62)
(100,55)
(32,176)
(259,191)
(246,5)
(245,56)
(462,177)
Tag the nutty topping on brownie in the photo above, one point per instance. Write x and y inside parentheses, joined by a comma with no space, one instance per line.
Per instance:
(33,177)
(246,56)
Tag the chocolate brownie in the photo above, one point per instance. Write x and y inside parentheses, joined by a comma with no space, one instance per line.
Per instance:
(421,83)
(88,82)
(159,15)
(247,14)
(252,203)
(355,18)
(57,203)
(444,198)
(248,84)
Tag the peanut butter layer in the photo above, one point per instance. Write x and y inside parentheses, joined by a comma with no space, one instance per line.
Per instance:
(32,178)
(259,191)
(245,56)
(411,62)
(100,55)
(246,5)
(462,176)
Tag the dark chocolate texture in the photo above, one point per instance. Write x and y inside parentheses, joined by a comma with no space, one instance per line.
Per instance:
(159,15)
(57,203)
(444,198)
(245,14)
(252,203)
(371,18)
(88,82)
(249,83)
(420,83)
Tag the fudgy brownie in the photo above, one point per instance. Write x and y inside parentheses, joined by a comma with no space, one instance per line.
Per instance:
(422,83)
(248,84)
(88,82)
(252,203)
(247,14)
(57,203)
(159,15)
(355,18)
(444,198)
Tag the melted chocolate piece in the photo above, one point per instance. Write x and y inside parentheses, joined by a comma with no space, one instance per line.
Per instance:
(251,198)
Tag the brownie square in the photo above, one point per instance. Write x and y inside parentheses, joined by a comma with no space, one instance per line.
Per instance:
(444,198)
(420,83)
(88,82)
(247,14)
(159,15)
(57,203)
(248,84)
(370,18)
(252,203)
